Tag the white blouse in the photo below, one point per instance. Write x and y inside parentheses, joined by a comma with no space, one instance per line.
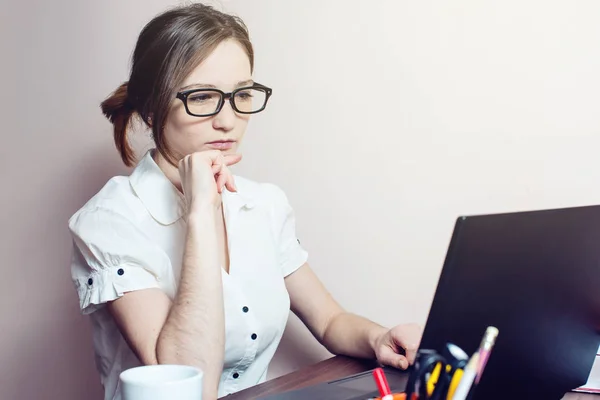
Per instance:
(130,236)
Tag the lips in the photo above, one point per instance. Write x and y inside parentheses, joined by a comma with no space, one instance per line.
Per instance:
(221,144)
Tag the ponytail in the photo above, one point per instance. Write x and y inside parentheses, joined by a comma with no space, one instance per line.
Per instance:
(119,110)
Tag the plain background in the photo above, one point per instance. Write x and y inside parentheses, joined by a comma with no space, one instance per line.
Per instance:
(389,119)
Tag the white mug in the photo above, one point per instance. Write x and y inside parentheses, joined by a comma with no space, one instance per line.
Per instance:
(161,382)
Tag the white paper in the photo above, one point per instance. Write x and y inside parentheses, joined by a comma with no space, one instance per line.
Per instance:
(593,383)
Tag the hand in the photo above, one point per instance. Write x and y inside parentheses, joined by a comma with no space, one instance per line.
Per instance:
(398,347)
(204,175)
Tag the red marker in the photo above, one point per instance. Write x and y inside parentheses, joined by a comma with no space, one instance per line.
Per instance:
(382,384)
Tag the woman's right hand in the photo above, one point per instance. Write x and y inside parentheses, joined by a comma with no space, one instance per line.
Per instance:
(204,175)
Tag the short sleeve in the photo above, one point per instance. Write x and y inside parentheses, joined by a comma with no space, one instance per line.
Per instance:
(291,254)
(111,256)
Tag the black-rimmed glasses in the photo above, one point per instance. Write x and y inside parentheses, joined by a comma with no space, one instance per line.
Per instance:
(208,102)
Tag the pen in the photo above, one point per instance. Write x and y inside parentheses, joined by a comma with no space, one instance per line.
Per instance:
(457,360)
(399,396)
(454,383)
(396,396)
(485,348)
(468,376)
(382,384)
(433,379)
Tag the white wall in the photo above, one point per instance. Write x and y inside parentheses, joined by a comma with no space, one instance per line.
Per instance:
(388,120)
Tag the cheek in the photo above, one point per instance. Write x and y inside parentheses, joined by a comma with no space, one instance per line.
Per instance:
(184,133)
(181,121)
(242,123)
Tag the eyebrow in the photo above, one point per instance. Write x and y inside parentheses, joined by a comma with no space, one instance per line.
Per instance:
(248,82)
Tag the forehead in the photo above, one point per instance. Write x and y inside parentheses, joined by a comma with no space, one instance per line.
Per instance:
(227,65)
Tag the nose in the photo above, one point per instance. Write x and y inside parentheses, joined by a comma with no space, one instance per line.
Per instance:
(225,119)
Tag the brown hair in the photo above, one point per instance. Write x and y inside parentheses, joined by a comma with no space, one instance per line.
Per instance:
(169,47)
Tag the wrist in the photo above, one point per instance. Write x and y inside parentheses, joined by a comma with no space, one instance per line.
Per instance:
(202,208)
(374,336)
(202,213)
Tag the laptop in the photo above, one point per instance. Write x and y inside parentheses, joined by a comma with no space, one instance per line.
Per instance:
(535,275)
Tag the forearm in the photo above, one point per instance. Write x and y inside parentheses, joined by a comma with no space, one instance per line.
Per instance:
(194,332)
(351,335)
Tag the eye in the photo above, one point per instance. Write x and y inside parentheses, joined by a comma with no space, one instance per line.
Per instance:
(244,95)
(203,97)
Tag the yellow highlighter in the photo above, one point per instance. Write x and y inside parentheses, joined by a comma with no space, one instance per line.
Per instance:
(454,383)
(433,379)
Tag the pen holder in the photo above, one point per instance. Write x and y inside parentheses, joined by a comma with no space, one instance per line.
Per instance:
(451,375)
(436,376)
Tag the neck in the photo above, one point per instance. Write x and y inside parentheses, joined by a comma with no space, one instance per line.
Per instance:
(170,171)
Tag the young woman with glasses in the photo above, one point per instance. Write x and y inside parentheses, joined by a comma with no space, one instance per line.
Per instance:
(180,262)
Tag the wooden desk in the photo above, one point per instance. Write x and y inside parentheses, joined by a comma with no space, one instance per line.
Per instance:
(330,369)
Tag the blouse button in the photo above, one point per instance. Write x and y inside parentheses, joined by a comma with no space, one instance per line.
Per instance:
(120,271)
(245,309)
(90,281)
(254,336)
(236,375)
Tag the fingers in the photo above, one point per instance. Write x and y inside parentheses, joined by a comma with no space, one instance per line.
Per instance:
(215,155)
(230,184)
(411,355)
(407,337)
(218,164)
(221,181)
(402,362)
(228,160)
(387,356)
(231,159)
(225,179)
(409,349)
(223,176)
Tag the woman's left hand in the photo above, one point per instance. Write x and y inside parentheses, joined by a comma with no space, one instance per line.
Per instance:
(398,346)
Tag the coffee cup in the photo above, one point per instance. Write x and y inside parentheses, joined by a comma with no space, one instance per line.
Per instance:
(161,382)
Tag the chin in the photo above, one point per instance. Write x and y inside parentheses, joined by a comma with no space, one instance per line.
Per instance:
(233,150)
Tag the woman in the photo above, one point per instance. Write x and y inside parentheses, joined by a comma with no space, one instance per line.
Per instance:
(180,262)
